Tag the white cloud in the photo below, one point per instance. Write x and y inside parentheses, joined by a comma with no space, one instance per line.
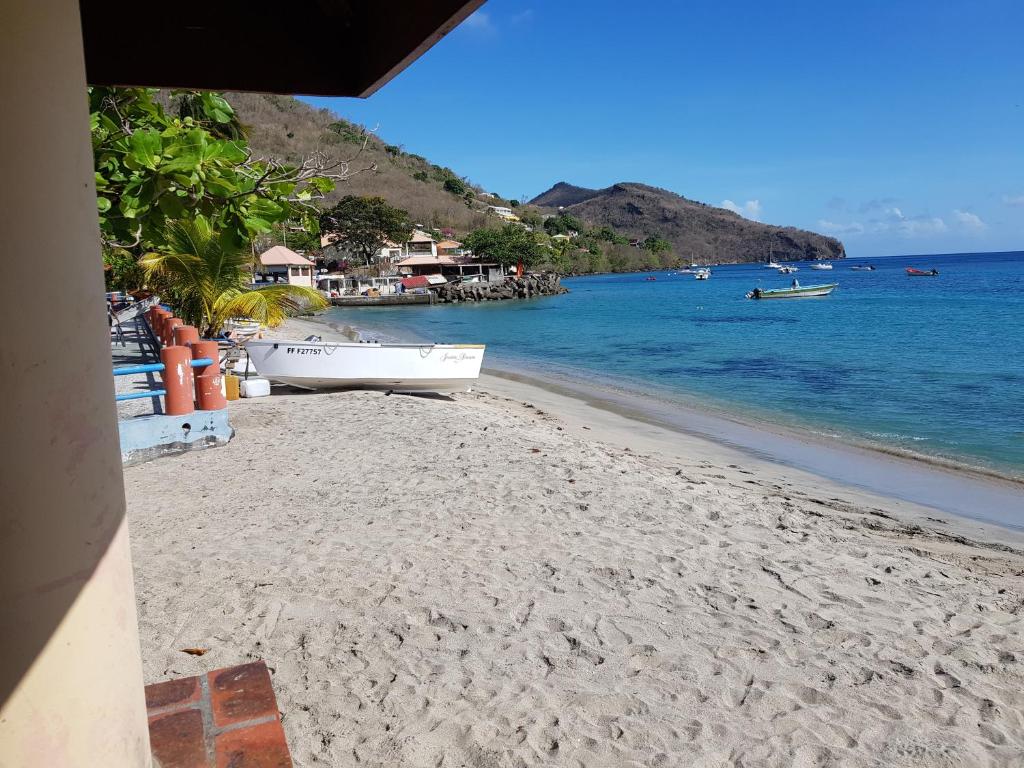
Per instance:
(910,226)
(749,210)
(833,228)
(968,220)
(479,22)
(1015,201)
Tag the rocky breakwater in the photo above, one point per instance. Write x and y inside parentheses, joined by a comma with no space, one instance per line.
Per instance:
(525,287)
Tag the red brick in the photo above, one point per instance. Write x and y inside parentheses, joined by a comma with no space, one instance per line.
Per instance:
(172,692)
(241,693)
(177,740)
(258,746)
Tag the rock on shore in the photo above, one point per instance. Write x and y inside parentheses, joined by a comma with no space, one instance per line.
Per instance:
(524,287)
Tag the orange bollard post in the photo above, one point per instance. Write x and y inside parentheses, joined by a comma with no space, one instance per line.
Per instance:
(169,325)
(177,378)
(208,393)
(208,349)
(186,335)
(158,326)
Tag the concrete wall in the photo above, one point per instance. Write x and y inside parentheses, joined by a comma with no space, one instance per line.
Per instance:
(71,687)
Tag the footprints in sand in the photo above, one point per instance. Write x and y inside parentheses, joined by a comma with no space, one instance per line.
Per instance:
(591,608)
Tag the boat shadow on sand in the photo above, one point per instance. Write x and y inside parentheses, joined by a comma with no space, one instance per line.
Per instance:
(288,389)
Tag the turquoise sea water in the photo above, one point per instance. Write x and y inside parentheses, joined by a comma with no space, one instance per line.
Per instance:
(933,366)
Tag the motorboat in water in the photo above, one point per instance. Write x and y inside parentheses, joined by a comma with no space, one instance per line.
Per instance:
(785,269)
(863,267)
(911,272)
(773,265)
(702,274)
(316,364)
(821,265)
(793,292)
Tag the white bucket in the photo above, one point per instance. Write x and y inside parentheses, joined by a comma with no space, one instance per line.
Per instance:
(254,387)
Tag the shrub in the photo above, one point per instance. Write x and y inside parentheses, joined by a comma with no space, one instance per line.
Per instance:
(455,185)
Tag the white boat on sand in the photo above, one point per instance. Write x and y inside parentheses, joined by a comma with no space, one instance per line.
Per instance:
(314,364)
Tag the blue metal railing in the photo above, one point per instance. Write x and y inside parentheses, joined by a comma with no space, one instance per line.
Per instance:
(128,370)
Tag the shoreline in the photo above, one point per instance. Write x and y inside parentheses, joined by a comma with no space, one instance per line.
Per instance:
(960,492)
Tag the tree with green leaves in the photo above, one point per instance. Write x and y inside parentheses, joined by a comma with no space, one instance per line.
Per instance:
(562,224)
(363,225)
(511,244)
(657,244)
(206,279)
(456,186)
(153,168)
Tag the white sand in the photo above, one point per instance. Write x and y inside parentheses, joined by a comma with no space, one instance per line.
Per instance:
(477,581)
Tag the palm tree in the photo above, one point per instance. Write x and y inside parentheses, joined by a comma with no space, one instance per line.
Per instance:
(207,281)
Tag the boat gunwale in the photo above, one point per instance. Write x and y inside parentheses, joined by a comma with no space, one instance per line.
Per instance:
(357,344)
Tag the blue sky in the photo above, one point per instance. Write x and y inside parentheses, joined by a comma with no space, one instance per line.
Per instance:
(896,125)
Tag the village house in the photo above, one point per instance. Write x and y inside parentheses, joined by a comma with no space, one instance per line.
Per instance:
(503,212)
(283,265)
(388,253)
(450,248)
(420,244)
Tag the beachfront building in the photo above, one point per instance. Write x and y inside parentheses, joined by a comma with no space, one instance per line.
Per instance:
(71,675)
(336,285)
(283,265)
(450,267)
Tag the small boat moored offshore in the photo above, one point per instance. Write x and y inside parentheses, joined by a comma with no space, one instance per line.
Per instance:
(702,274)
(315,364)
(821,265)
(793,292)
(863,267)
(785,269)
(911,272)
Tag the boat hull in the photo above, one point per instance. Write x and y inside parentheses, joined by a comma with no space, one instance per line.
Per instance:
(390,367)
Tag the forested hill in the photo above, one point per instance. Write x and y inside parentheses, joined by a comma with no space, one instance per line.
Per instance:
(435,197)
(707,233)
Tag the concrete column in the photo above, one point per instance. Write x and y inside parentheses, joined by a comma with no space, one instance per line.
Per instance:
(71,687)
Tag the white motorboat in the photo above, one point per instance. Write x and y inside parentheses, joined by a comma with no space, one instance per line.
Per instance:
(795,291)
(315,364)
(702,274)
(773,265)
(785,269)
(821,265)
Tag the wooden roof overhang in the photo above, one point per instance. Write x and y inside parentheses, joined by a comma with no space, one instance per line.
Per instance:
(316,47)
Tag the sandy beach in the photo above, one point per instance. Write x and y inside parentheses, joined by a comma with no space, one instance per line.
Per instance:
(511,577)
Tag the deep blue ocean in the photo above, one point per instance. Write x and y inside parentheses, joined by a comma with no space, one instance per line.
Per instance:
(930,365)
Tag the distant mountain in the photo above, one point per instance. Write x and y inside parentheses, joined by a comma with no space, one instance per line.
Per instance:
(562,195)
(709,234)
